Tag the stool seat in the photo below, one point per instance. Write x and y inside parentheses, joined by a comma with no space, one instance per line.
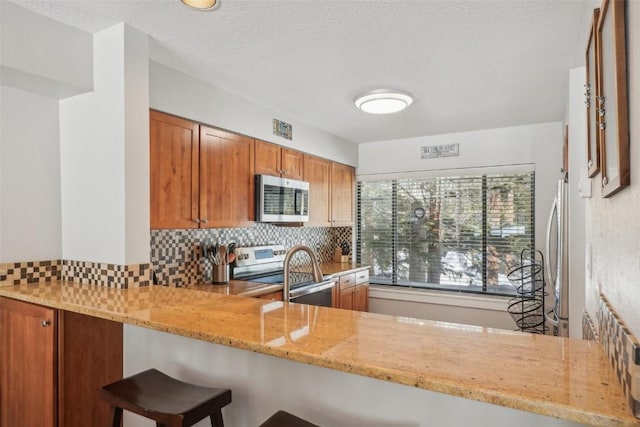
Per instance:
(167,401)
(285,419)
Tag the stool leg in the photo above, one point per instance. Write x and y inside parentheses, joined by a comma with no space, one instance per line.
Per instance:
(117,417)
(216,419)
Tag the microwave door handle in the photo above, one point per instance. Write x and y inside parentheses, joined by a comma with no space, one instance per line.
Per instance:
(298,202)
(303,202)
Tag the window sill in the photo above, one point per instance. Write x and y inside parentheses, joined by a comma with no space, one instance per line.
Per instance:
(497,303)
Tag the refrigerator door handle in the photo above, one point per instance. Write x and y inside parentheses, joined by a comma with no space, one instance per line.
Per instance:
(547,262)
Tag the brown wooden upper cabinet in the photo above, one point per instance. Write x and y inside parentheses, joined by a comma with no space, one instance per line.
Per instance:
(226,178)
(200,176)
(273,159)
(330,192)
(342,182)
(173,153)
(317,172)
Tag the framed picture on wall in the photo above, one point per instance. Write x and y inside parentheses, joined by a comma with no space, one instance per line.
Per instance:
(592,94)
(612,102)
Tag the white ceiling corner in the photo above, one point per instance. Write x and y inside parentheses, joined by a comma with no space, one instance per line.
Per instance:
(470,64)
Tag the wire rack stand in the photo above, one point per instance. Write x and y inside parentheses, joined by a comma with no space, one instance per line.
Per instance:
(527,307)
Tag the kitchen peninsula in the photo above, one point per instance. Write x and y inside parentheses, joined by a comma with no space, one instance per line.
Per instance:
(188,333)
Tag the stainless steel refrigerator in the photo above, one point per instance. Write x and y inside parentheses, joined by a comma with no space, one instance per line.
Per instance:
(556,259)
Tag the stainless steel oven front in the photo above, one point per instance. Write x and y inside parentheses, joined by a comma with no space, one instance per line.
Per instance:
(264,264)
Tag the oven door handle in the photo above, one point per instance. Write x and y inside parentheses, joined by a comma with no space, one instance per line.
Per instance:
(310,289)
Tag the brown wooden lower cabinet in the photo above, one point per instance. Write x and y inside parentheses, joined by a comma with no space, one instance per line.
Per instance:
(28,392)
(52,365)
(353,291)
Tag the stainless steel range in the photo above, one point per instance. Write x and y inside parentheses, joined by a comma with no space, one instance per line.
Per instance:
(266,264)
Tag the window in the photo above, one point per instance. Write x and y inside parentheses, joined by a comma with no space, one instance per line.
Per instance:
(462,233)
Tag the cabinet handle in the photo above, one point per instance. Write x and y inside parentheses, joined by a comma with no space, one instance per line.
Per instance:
(45,323)
(204,221)
(196,220)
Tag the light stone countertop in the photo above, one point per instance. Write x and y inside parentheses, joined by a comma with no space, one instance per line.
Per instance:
(559,377)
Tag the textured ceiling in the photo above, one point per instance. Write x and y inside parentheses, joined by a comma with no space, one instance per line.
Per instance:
(472,64)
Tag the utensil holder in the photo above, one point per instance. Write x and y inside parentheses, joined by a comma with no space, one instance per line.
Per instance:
(220,273)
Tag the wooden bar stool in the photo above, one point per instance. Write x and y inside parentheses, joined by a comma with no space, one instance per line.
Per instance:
(285,419)
(167,401)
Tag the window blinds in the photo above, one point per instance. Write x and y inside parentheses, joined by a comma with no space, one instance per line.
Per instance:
(460,233)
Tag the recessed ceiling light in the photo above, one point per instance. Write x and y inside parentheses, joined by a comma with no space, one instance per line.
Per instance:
(383,101)
(202,4)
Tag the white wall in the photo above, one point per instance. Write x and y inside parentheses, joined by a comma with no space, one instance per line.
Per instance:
(136,144)
(104,155)
(540,145)
(41,55)
(176,93)
(262,384)
(29,177)
(578,184)
(612,225)
(479,310)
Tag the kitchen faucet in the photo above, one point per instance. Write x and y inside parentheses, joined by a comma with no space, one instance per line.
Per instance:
(317,274)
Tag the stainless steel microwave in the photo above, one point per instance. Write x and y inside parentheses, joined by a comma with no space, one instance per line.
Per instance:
(281,199)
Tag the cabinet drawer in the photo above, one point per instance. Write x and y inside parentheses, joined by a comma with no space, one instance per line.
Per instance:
(347,280)
(362,277)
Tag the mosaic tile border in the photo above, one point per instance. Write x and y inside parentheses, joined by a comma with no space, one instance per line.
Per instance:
(101,274)
(176,256)
(623,350)
(18,273)
(589,331)
(108,275)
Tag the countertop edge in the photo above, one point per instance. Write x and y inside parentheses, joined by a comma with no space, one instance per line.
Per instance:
(486,395)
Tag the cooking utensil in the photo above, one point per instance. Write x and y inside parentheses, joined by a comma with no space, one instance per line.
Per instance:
(231,256)
(222,251)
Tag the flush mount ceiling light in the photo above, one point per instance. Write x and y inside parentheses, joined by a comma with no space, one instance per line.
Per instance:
(202,4)
(383,101)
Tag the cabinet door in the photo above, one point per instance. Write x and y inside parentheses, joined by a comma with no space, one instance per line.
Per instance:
(292,164)
(362,298)
(27,364)
(92,347)
(347,283)
(227,170)
(173,156)
(347,298)
(268,158)
(342,177)
(317,172)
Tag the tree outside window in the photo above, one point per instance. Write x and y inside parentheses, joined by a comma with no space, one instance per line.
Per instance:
(458,233)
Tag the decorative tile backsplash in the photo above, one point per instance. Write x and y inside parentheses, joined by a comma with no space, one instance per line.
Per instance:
(110,275)
(176,255)
(17,273)
(623,350)
(589,331)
